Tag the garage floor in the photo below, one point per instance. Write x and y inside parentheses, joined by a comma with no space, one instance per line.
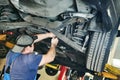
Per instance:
(46,76)
(2,62)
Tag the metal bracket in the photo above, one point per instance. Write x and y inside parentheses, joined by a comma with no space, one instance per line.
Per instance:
(13,25)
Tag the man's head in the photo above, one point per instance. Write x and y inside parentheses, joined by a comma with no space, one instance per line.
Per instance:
(22,41)
(28,49)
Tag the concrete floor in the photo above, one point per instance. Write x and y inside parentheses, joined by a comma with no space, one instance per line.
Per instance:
(46,76)
(2,63)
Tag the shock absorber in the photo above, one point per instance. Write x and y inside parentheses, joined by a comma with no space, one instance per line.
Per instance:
(7,14)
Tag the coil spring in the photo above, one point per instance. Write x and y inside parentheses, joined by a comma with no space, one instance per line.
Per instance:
(76,33)
(7,14)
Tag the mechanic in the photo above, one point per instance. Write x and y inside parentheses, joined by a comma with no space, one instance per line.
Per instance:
(23,61)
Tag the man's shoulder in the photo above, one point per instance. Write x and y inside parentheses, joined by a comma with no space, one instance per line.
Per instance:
(10,53)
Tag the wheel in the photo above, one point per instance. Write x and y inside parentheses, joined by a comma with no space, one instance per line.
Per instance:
(98,50)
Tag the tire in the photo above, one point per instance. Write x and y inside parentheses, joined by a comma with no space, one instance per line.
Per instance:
(98,50)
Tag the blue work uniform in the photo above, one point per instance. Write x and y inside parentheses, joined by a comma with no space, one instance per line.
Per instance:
(24,67)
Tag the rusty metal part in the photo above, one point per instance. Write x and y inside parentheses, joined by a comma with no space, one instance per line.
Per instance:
(9,45)
(13,25)
(2,37)
(4,2)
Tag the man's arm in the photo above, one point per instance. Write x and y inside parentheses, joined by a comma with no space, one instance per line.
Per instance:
(49,57)
(43,36)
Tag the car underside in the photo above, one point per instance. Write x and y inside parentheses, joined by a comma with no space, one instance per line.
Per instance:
(86,28)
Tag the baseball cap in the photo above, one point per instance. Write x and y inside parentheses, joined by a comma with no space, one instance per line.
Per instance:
(21,42)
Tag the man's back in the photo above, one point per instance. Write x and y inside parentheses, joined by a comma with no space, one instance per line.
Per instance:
(24,67)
